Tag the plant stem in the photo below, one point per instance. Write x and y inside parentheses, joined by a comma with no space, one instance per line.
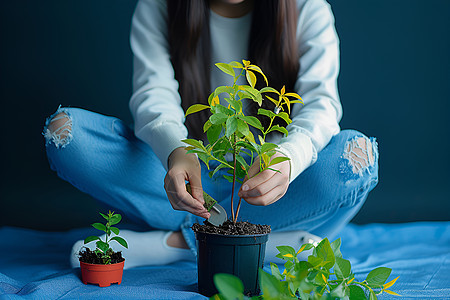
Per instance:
(107,235)
(364,285)
(234,179)
(238,208)
(268,128)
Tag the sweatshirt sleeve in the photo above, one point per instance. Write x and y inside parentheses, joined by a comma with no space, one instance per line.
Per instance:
(316,121)
(155,103)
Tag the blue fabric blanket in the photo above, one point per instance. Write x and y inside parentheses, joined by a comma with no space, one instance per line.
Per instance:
(35,265)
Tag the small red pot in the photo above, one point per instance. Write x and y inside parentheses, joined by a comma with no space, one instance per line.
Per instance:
(103,275)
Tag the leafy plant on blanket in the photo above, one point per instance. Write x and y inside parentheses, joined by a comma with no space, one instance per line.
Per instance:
(325,275)
(103,249)
(228,128)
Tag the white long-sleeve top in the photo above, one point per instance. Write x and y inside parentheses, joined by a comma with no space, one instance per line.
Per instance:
(156,103)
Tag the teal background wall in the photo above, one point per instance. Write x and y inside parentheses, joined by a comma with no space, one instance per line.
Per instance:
(394,84)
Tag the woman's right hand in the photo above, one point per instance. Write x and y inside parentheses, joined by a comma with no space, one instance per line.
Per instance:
(185,167)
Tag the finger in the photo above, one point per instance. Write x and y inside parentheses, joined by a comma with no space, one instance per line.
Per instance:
(187,203)
(268,198)
(181,199)
(185,198)
(258,185)
(254,168)
(196,186)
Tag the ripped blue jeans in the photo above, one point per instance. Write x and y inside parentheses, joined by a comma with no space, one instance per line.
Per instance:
(101,156)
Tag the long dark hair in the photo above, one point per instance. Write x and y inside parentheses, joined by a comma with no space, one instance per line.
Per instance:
(272,46)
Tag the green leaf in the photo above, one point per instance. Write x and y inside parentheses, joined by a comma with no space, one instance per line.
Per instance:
(372,296)
(236,104)
(91,238)
(204,158)
(288,265)
(312,275)
(280,129)
(104,216)
(236,64)
(276,271)
(224,110)
(378,276)
(251,78)
(356,293)
(305,247)
(252,121)
(266,112)
(120,241)
(99,226)
(229,178)
(115,219)
(226,68)
(115,230)
(342,268)
(314,260)
(267,147)
(229,286)
(257,69)
(212,173)
(223,89)
(325,252)
(195,151)
(207,125)
(213,133)
(302,269)
(210,98)
(246,145)
(255,95)
(286,252)
(102,246)
(278,159)
(196,108)
(338,291)
(270,286)
(195,143)
(242,127)
(268,89)
(242,162)
(285,117)
(231,126)
(336,246)
(218,118)
(274,102)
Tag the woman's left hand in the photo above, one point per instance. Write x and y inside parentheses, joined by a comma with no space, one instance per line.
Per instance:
(268,186)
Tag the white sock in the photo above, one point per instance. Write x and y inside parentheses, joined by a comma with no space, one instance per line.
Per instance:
(295,239)
(144,249)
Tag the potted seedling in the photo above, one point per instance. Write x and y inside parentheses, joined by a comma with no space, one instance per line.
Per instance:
(237,247)
(103,266)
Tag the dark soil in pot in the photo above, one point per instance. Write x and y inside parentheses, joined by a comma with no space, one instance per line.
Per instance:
(229,228)
(90,257)
(237,249)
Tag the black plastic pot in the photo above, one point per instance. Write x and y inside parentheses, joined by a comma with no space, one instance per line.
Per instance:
(240,255)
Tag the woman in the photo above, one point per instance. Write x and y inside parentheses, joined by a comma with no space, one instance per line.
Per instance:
(175,43)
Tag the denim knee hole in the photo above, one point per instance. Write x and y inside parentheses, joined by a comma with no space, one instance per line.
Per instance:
(359,154)
(58,129)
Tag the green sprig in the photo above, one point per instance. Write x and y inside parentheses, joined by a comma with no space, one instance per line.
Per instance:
(326,275)
(228,129)
(103,249)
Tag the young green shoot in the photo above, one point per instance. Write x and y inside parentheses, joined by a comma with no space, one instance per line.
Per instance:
(228,129)
(103,250)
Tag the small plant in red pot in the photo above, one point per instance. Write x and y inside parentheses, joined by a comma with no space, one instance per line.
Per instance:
(103,266)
